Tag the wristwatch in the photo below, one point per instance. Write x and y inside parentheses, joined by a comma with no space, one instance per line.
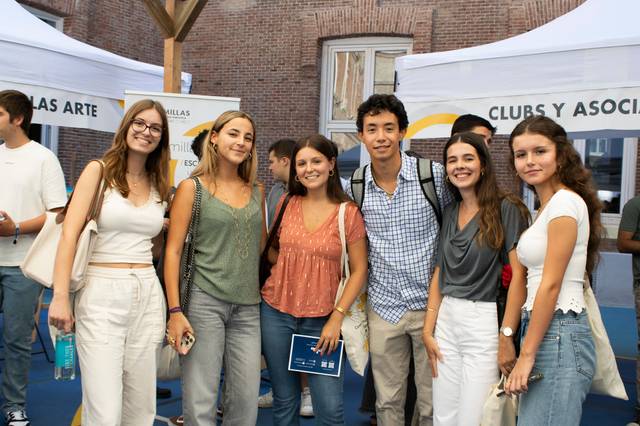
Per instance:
(506,331)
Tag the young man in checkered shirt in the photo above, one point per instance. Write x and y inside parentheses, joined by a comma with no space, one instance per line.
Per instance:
(403,231)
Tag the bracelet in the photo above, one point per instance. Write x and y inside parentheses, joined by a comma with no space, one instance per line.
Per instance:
(341,310)
(175,310)
(15,236)
(430,309)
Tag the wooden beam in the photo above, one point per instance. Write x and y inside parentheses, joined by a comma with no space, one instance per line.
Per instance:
(162,18)
(186,14)
(172,66)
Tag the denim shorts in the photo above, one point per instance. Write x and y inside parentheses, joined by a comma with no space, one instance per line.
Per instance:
(567,359)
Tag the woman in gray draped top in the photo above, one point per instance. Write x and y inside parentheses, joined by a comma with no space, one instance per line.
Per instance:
(479,233)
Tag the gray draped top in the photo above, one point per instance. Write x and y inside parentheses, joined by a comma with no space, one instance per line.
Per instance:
(469,269)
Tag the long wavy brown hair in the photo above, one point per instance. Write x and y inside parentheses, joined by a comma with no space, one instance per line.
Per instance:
(489,195)
(571,173)
(208,166)
(157,163)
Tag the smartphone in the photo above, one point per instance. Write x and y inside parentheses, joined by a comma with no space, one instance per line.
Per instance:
(534,377)
(188,340)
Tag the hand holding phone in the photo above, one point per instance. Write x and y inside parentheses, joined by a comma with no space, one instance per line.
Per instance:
(533,377)
(188,339)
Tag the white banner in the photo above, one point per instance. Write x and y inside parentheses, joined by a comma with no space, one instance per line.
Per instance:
(70,109)
(590,110)
(188,116)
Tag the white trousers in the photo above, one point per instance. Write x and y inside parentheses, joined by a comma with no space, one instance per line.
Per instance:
(467,334)
(120,321)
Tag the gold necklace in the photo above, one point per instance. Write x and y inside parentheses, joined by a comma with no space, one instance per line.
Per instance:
(135,183)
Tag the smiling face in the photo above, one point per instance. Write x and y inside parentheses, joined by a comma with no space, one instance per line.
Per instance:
(464,167)
(381,135)
(234,140)
(535,159)
(145,132)
(313,168)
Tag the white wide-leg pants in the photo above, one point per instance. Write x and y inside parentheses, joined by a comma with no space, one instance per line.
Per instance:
(467,334)
(120,322)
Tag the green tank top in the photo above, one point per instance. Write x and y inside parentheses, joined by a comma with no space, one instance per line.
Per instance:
(227,249)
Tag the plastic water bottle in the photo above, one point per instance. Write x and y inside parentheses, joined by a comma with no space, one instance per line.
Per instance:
(65,366)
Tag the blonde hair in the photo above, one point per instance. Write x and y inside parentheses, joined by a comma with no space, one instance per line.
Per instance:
(157,163)
(208,166)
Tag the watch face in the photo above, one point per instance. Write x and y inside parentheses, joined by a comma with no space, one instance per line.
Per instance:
(507,331)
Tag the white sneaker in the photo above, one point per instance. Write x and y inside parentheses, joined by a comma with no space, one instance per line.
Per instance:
(306,405)
(266,400)
(17,418)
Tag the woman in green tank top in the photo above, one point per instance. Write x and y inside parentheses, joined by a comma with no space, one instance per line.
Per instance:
(224,306)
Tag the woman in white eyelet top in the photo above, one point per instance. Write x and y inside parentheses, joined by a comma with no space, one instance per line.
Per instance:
(533,245)
(557,348)
(120,311)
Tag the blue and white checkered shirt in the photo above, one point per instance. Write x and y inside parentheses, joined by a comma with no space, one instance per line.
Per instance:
(403,237)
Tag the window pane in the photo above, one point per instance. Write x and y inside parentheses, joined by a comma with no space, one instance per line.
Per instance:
(384,71)
(348,85)
(604,158)
(349,149)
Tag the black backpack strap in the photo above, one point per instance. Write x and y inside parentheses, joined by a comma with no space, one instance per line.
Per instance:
(357,185)
(276,225)
(427,183)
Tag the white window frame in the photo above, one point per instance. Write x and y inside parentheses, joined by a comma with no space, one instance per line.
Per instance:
(610,221)
(55,21)
(49,134)
(367,44)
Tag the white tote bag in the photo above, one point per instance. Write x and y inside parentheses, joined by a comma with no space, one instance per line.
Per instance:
(499,409)
(39,261)
(606,380)
(355,326)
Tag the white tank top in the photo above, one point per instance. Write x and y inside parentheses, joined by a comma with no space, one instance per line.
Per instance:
(125,231)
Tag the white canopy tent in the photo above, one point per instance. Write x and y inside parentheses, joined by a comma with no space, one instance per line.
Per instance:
(72,83)
(582,69)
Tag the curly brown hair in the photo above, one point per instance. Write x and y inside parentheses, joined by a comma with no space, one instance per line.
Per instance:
(157,164)
(571,173)
(489,195)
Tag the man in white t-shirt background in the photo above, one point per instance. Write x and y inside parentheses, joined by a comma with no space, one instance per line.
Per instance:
(32,183)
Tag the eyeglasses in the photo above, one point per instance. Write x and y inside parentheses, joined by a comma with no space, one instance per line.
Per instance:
(139,126)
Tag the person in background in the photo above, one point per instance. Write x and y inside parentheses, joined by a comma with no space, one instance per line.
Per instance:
(279,165)
(557,249)
(403,231)
(32,184)
(629,242)
(299,297)
(224,307)
(475,124)
(120,311)
(479,230)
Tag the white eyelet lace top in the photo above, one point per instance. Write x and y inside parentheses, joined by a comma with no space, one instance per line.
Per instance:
(532,249)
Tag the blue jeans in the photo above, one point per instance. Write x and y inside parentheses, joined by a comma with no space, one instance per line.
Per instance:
(326,391)
(19,296)
(567,359)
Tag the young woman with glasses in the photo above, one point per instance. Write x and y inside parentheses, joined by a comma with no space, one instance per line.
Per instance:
(120,312)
